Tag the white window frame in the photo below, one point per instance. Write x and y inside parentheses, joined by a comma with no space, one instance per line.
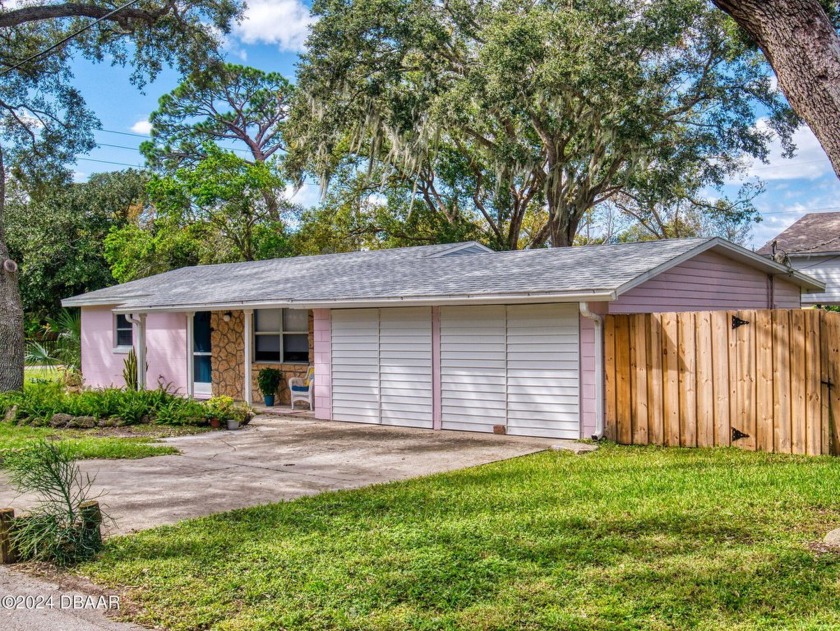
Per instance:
(118,348)
(280,334)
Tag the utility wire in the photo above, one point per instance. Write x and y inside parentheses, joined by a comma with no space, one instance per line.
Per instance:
(68,38)
(122,164)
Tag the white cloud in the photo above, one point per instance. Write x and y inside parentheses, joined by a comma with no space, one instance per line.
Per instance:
(142,127)
(308,195)
(810,161)
(282,22)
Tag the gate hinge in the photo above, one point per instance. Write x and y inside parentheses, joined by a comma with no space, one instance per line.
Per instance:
(736,322)
(737,434)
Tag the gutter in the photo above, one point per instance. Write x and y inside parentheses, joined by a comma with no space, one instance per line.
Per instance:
(360,303)
(599,368)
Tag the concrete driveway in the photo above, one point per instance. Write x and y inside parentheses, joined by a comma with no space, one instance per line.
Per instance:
(278,458)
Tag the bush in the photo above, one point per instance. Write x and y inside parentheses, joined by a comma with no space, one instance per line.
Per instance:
(39,403)
(55,530)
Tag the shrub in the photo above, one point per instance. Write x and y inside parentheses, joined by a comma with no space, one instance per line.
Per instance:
(55,530)
(40,402)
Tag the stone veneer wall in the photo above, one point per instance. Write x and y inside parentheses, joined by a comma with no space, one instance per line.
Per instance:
(228,361)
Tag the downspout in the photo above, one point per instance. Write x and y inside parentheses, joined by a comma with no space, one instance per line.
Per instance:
(599,368)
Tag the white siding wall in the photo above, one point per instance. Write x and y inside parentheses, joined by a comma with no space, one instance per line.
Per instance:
(542,371)
(405,366)
(826,269)
(473,367)
(355,365)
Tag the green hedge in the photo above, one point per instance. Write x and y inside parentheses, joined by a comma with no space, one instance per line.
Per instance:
(39,402)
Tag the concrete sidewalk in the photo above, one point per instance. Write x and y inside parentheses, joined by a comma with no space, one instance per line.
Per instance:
(59,609)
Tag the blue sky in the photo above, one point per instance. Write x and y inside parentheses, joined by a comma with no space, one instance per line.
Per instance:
(272,35)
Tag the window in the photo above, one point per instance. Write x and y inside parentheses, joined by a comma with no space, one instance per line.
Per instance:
(124,332)
(281,335)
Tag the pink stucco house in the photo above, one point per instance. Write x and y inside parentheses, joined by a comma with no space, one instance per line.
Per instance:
(441,337)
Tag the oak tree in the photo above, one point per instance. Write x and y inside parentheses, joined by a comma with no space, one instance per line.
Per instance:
(44,122)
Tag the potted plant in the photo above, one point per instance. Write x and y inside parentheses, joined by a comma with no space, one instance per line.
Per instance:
(268,381)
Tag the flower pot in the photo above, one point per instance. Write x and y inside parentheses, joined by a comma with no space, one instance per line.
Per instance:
(232,424)
(269,400)
(215,423)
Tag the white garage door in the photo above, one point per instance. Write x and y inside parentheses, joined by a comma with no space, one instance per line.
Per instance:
(515,366)
(382,366)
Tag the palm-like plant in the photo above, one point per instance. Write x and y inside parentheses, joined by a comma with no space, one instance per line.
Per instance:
(61,344)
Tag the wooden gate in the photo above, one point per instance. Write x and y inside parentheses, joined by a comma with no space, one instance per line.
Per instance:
(764,380)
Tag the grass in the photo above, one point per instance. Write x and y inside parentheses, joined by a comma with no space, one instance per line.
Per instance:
(41,373)
(84,444)
(625,538)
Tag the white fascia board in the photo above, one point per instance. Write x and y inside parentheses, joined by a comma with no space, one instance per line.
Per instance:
(432,301)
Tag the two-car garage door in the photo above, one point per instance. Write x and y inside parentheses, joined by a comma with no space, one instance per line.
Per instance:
(515,366)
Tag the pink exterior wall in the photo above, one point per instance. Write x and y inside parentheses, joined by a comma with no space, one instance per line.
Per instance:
(322,330)
(101,365)
(166,351)
(706,282)
(166,348)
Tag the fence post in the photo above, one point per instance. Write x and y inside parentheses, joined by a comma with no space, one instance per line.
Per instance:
(7,517)
(91,521)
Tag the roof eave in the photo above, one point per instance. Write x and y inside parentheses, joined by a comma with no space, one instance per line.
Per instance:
(362,303)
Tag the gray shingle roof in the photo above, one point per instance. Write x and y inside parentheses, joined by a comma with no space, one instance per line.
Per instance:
(405,274)
(811,234)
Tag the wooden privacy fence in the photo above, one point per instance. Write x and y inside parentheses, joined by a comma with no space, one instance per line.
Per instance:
(764,380)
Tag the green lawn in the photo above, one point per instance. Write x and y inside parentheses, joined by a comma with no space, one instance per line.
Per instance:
(625,538)
(95,443)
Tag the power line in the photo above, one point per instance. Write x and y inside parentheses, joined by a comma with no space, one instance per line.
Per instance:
(68,38)
(122,133)
(121,164)
(125,133)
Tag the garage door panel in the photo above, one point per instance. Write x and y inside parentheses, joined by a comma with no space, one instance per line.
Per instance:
(520,400)
(355,365)
(543,370)
(403,379)
(405,366)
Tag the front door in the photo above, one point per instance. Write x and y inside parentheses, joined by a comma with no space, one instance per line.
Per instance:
(202,354)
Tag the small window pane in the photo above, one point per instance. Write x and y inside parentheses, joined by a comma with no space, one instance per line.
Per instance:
(295,320)
(268,320)
(201,332)
(124,337)
(296,348)
(267,348)
(124,330)
(202,368)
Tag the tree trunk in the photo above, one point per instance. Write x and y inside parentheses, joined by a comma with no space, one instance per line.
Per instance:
(801,44)
(11,309)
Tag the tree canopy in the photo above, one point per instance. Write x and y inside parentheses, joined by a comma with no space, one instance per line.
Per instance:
(520,117)
(44,122)
(216,146)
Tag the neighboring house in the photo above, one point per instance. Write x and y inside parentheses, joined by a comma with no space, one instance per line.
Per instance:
(812,245)
(443,337)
